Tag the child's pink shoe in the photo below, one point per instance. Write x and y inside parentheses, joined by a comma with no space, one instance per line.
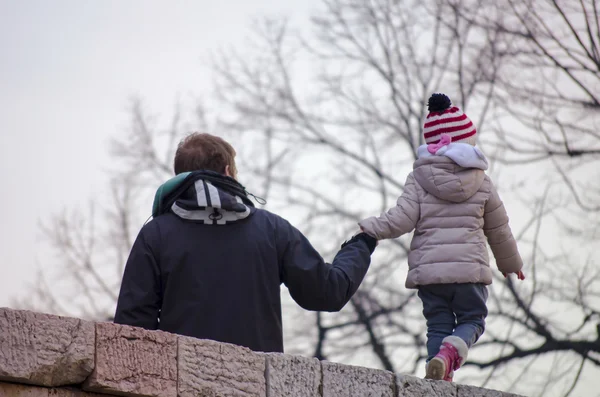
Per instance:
(453,353)
(448,378)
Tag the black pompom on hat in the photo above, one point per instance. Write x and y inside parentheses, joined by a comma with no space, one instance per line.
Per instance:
(438,103)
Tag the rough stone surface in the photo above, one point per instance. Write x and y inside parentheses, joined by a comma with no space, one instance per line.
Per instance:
(15,390)
(20,390)
(50,356)
(134,361)
(69,392)
(349,381)
(410,386)
(289,375)
(472,391)
(207,368)
(43,349)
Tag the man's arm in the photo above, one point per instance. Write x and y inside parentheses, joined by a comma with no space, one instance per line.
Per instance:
(140,297)
(315,284)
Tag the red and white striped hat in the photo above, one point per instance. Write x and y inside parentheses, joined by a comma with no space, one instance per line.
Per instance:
(443,118)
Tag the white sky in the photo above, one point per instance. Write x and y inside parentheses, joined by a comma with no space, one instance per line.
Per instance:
(67,71)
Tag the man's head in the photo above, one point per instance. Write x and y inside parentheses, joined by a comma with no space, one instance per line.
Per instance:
(201,151)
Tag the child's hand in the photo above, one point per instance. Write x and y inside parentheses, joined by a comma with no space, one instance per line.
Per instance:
(520,275)
(363,231)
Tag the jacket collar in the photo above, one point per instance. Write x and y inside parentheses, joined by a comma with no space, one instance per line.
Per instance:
(203,196)
(463,154)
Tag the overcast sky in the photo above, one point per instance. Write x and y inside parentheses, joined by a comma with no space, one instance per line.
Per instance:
(67,70)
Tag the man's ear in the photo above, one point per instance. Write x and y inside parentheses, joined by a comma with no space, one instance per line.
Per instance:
(231,173)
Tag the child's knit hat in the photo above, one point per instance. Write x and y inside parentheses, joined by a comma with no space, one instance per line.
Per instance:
(443,118)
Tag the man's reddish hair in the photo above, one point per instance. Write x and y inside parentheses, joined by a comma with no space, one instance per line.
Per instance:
(202,151)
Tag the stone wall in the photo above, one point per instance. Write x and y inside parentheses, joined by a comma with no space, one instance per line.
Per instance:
(50,356)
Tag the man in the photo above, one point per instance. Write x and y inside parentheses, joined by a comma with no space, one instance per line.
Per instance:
(210,264)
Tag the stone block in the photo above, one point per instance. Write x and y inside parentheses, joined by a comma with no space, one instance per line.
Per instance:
(350,381)
(134,361)
(71,392)
(410,386)
(21,390)
(472,391)
(46,350)
(15,390)
(289,375)
(208,368)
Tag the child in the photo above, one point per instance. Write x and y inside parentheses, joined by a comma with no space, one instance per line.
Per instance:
(453,205)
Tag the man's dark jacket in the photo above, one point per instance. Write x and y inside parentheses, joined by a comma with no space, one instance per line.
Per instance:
(211,265)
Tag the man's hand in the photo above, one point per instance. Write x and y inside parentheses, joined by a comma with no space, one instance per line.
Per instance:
(520,275)
(369,240)
(363,231)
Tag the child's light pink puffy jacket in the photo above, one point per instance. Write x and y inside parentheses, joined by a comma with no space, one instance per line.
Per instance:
(452,209)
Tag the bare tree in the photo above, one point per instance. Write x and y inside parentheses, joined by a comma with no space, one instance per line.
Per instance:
(548,115)
(548,86)
(363,113)
(327,124)
(92,245)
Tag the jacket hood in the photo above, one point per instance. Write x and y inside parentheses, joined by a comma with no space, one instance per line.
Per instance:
(203,196)
(453,173)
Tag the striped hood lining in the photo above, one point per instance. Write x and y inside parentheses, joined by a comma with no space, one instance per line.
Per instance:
(205,203)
